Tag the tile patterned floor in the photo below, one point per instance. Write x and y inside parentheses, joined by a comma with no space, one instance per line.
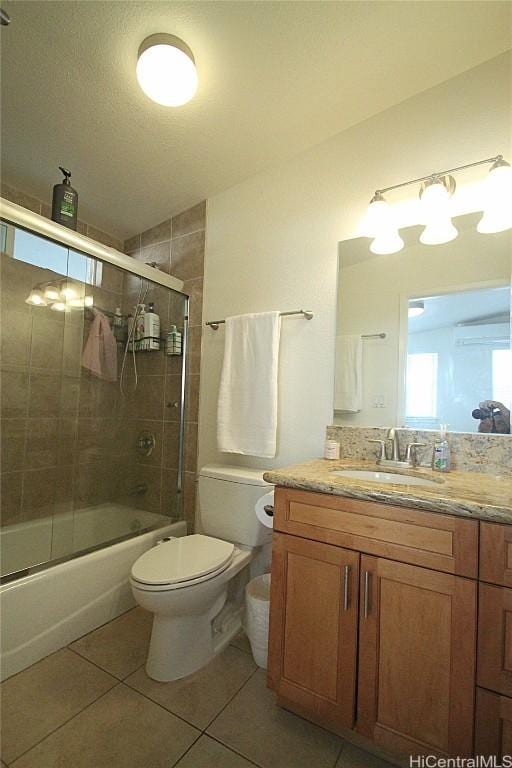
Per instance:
(91,705)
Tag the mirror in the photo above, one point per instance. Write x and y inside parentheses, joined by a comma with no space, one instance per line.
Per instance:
(423,336)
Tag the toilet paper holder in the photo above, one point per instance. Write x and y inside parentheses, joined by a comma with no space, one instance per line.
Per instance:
(269,509)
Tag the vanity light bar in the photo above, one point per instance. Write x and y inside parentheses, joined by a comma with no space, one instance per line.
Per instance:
(432,176)
(435,192)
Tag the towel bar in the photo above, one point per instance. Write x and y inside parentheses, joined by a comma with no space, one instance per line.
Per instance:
(306,313)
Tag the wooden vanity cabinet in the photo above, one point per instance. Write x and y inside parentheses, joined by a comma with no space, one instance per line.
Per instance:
(313,628)
(416,658)
(495,639)
(493,724)
(412,628)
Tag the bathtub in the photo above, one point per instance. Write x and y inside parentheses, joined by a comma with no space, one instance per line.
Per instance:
(45,610)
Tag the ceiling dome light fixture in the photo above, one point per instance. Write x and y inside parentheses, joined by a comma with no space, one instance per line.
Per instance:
(435,196)
(166,70)
(435,193)
(36,297)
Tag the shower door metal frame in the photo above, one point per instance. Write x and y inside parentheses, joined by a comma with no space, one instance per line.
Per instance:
(17,216)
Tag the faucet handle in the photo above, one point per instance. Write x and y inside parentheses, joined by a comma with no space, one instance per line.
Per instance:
(382,444)
(409,450)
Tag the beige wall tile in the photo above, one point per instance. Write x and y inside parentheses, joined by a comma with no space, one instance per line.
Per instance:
(41,447)
(47,342)
(192,400)
(156,234)
(104,238)
(172,402)
(11,488)
(194,349)
(194,288)
(190,220)
(45,394)
(147,401)
(132,244)
(159,252)
(20,198)
(191,446)
(187,256)
(13,444)
(14,393)
(15,337)
(171,444)
(170,502)
(38,492)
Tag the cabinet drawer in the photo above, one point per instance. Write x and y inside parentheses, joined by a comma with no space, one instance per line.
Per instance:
(496,553)
(493,724)
(442,542)
(495,639)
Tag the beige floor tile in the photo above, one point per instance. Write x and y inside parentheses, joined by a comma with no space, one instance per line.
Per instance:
(200,697)
(44,696)
(241,641)
(120,646)
(207,753)
(353,757)
(121,730)
(255,726)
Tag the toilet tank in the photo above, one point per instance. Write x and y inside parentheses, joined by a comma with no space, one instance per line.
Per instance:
(227,496)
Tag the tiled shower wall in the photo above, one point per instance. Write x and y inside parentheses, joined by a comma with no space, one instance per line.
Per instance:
(81,452)
(58,424)
(177,246)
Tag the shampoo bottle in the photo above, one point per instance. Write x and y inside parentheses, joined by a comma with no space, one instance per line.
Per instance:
(139,331)
(65,202)
(174,341)
(151,329)
(441,459)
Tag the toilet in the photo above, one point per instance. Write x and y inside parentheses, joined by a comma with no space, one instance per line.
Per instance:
(185,581)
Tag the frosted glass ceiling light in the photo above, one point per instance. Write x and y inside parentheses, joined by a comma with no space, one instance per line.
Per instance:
(435,196)
(36,297)
(166,70)
(416,308)
(386,243)
(498,199)
(68,291)
(58,306)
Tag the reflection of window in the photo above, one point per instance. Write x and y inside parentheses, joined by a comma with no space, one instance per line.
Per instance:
(421,390)
(502,376)
(57,258)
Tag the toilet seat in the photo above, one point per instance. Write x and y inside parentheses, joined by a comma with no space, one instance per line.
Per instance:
(182,562)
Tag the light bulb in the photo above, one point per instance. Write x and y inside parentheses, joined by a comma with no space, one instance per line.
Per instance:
(497,199)
(378,216)
(36,298)
(386,243)
(51,292)
(166,70)
(58,306)
(88,301)
(68,291)
(435,206)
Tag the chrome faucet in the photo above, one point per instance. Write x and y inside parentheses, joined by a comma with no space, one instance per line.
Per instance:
(392,458)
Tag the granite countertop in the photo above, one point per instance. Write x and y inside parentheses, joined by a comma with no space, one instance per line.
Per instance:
(468,494)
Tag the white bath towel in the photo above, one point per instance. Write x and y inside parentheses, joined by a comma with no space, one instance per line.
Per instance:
(247,409)
(348,392)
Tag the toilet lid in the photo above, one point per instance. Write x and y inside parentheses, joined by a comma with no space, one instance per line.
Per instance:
(182,559)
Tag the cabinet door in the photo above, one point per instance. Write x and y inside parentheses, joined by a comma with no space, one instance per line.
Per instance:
(493,724)
(495,639)
(313,628)
(416,659)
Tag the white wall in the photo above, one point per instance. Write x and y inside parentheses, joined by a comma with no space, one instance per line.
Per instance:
(272,241)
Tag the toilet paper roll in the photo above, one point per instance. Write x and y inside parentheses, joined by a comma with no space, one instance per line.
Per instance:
(263,516)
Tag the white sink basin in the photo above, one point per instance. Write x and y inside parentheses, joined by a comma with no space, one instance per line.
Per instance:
(383,477)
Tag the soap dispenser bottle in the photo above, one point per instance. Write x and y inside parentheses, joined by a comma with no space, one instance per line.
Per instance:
(65,202)
(441,459)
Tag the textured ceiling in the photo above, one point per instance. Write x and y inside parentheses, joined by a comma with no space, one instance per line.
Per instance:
(274,79)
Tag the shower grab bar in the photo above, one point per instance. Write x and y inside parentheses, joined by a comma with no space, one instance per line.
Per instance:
(306,313)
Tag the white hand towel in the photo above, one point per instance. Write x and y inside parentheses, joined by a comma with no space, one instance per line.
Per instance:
(348,392)
(247,409)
